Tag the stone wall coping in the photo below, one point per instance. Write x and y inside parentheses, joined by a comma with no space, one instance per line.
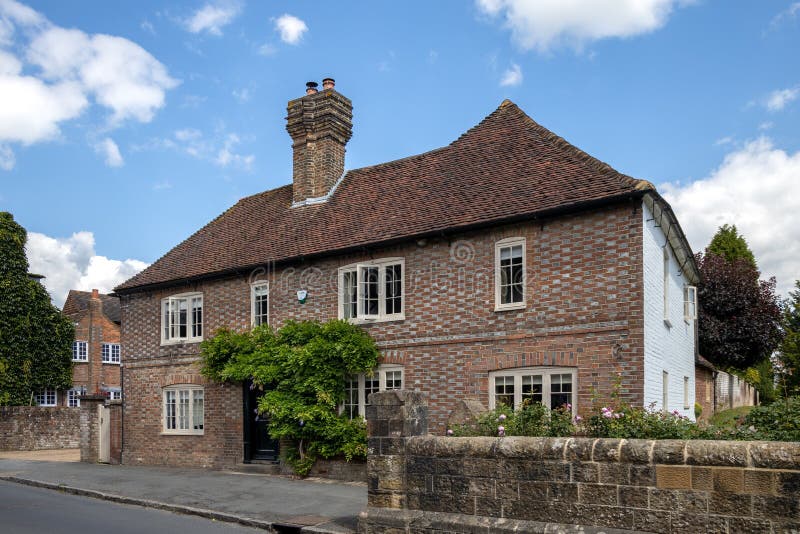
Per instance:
(716,453)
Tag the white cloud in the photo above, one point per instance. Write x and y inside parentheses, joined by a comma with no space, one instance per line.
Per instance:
(511,77)
(242,95)
(65,71)
(226,155)
(188,134)
(212,17)
(7,159)
(147,26)
(291,28)
(108,148)
(778,99)
(220,148)
(787,14)
(71,263)
(724,141)
(267,50)
(545,24)
(752,189)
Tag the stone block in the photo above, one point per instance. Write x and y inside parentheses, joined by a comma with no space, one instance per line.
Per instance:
(585,472)
(642,475)
(526,448)
(702,478)
(553,448)
(747,524)
(651,521)
(606,450)
(466,412)
(716,453)
(728,479)
(775,455)
(392,446)
(479,467)
(776,508)
(668,451)
(578,449)
(788,482)
(723,503)
(614,473)
(605,494)
(482,487)
(690,501)
(557,491)
(759,482)
(423,445)
(673,477)
(633,497)
(507,490)
(488,506)
(414,464)
(688,522)
(635,451)
(602,516)
(533,492)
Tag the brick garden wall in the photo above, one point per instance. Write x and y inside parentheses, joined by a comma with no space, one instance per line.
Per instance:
(584,310)
(419,482)
(29,428)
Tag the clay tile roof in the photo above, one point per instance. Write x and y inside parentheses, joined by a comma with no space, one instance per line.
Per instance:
(78,301)
(507,167)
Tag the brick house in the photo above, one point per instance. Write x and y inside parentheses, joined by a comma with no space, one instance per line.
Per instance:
(506,265)
(95,352)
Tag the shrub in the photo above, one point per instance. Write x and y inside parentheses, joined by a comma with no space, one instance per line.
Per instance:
(641,423)
(532,419)
(779,421)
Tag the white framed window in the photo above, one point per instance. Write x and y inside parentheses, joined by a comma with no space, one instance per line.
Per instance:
(259,303)
(551,386)
(183,409)
(182,318)
(666,286)
(80,352)
(73,396)
(47,397)
(689,303)
(358,388)
(114,393)
(110,352)
(509,279)
(372,291)
(665,390)
(686,393)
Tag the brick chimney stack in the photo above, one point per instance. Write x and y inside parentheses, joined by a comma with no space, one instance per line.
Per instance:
(320,124)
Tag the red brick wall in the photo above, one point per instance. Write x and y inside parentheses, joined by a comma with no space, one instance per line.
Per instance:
(584,297)
(94,328)
(704,391)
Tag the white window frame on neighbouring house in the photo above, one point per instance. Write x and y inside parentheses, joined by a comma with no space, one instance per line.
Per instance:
(80,351)
(510,279)
(114,393)
(47,397)
(539,384)
(73,396)
(665,390)
(110,353)
(359,387)
(373,291)
(183,409)
(259,303)
(686,393)
(182,318)
(689,303)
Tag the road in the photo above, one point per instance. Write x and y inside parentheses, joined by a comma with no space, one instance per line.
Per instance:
(28,510)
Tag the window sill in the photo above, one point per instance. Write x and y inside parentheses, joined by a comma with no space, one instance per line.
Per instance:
(509,307)
(80,361)
(387,319)
(111,363)
(181,433)
(181,341)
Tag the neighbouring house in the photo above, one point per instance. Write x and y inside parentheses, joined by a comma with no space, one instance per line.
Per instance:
(96,357)
(505,266)
(717,390)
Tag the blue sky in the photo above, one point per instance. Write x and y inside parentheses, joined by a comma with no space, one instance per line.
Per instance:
(126,126)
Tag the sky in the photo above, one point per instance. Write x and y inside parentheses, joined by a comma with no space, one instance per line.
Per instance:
(127,126)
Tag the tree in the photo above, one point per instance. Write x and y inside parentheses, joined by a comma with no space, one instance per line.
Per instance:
(789,349)
(729,244)
(35,339)
(739,315)
(301,369)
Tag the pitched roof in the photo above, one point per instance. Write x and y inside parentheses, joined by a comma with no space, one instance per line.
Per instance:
(78,301)
(507,167)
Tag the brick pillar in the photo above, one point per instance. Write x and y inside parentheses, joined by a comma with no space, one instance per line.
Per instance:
(90,427)
(115,418)
(392,416)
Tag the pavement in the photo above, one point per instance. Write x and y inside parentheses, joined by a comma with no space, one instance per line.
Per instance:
(277,503)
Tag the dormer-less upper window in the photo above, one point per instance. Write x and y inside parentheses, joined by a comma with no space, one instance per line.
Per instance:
(182,318)
(372,291)
(509,278)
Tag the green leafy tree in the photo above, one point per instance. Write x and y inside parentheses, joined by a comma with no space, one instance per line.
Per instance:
(301,369)
(730,245)
(789,349)
(739,315)
(35,339)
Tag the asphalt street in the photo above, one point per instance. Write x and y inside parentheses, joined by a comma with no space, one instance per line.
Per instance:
(28,510)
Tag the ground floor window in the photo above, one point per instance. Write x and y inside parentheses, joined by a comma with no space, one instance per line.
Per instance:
(359,387)
(46,397)
(551,386)
(114,393)
(183,409)
(74,396)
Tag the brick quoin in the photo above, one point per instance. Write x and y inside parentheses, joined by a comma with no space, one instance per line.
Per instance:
(584,310)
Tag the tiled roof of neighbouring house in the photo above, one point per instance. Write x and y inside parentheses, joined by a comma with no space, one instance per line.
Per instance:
(78,301)
(507,167)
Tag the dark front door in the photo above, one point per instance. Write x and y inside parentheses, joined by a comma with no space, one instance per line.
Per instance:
(258,444)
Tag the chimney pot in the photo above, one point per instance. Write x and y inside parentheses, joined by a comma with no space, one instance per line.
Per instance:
(95,294)
(328,83)
(311,88)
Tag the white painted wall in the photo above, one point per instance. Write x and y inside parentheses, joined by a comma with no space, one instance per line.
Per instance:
(666,348)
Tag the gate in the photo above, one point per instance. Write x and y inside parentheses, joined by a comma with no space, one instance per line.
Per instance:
(104,445)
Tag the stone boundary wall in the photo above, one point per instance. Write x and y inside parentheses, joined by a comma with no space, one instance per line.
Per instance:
(30,428)
(420,483)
